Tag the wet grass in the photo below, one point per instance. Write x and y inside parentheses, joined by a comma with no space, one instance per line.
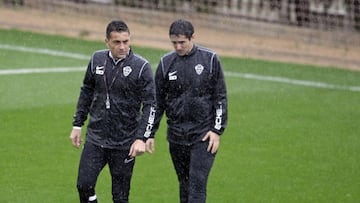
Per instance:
(284,142)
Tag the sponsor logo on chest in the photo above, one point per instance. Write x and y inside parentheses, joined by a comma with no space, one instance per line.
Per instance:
(99,70)
(172,75)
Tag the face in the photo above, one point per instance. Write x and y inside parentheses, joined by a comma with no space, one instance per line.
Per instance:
(182,44)
(119,44)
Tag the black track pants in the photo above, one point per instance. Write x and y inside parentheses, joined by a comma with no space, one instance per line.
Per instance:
(192,165)
(93,159)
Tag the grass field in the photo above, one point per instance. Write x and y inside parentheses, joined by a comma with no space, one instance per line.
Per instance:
(292,136)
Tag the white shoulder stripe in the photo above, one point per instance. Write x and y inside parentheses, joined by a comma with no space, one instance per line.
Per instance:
(142,68)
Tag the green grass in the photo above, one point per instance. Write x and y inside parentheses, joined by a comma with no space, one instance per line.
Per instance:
(284,143)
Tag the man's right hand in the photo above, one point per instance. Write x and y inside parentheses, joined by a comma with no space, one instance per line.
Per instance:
(150,145)
(75,137)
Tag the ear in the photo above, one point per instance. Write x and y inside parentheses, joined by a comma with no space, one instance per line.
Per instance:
(193,37)
(106,42)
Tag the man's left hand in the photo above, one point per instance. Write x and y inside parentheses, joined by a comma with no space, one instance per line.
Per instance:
(214,141)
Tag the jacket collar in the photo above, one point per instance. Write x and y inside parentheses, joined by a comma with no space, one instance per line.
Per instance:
(117,61)
(192,51)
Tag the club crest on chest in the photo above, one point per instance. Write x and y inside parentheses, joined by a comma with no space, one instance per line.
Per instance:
(127,70)
(199,69)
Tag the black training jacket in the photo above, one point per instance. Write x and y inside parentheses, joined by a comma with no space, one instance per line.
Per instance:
(191,91)
(131,89)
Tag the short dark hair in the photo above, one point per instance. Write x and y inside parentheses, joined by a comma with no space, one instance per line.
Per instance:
(182,27)
(117,26)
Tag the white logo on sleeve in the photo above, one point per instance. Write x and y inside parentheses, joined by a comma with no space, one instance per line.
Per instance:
(99,70)
(199,69)
(218,121)
(172,75)
(127,70)
(150,124)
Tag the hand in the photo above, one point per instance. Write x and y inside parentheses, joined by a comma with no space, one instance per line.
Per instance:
(150,145)
(137,148)
(75,137)
(214,141)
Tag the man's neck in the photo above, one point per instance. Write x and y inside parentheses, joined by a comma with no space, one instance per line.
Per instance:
(117,60)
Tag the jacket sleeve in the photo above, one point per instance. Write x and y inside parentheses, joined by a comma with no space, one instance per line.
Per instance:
(85,98)
(161,93)
(148,103)
(220,98)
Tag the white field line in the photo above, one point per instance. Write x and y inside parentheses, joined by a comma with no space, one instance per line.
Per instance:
(228,74)
(293,81)
(44,51)
(41,70)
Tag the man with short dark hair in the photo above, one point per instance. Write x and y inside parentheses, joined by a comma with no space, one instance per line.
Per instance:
(190,88)
(118,93)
